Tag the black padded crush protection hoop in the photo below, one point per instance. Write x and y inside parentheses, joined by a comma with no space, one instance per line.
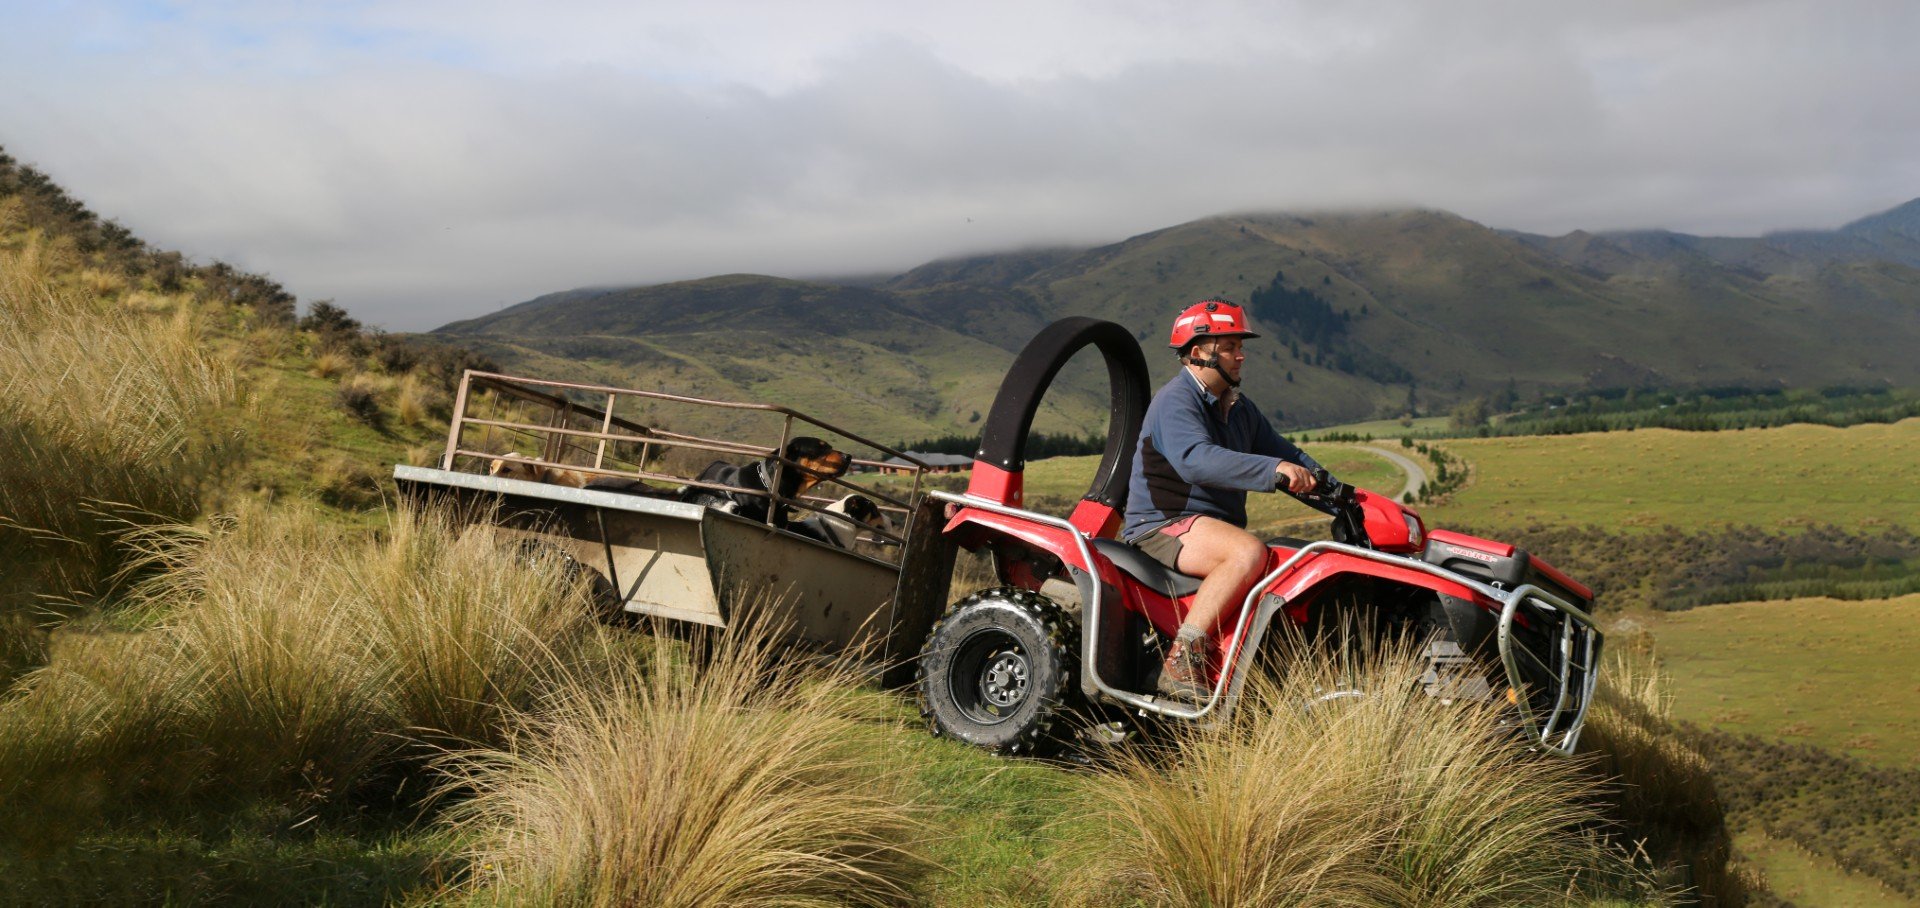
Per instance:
(1003,440)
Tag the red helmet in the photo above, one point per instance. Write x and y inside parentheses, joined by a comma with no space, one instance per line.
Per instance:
(1208,318)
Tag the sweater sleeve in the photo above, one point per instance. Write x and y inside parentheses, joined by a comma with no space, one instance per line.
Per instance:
(1267,441)
(1181,435)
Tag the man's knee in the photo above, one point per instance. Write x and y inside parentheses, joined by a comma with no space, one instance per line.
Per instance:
(1226,549)
(1249,555)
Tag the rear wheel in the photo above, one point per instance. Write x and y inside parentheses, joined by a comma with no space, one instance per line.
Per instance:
(996,671)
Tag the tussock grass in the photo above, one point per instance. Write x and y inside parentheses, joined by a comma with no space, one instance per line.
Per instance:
(330,364)
(419,400)
(290,657)
(1389,799)
(108,418)
(745,778)
(1663,794)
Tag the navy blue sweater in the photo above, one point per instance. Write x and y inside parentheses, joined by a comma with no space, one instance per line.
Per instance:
(1191,460)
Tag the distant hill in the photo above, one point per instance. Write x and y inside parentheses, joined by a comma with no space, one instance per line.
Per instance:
(1364,315)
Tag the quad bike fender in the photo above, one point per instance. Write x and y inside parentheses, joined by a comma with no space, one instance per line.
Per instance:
(1298,586)
(971,527)
(1289,597)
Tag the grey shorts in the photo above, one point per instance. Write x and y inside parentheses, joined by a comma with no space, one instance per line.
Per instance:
(1162,543)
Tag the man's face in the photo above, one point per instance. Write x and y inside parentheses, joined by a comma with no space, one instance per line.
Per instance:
(1227,351)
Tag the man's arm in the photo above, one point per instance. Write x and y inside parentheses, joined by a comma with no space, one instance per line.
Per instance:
(1181,436)
(1295,467)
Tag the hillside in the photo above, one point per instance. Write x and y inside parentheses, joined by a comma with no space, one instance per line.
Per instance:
(1890,236)
(1365,315)
(262,686)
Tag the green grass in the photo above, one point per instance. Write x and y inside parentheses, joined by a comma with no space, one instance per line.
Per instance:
(995,822)
(1860,476)
(259,853)
(1381,429)
(1805,878)
(1819,671)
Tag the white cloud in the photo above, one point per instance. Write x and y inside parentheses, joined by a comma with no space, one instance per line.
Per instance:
(427,161)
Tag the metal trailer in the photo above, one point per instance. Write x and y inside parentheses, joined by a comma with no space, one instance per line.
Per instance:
(658,556)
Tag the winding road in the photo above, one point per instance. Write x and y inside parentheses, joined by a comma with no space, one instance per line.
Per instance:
(1416,474)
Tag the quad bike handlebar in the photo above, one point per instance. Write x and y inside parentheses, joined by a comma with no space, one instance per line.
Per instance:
(1329,495)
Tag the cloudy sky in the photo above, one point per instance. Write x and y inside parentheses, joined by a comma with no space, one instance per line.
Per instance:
(432,160)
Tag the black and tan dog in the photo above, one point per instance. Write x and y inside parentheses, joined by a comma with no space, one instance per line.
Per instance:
(817,461)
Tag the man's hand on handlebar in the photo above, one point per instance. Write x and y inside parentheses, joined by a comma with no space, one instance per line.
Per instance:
(1292,477)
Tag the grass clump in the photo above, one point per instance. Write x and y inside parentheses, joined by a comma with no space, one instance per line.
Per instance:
(1663,796)
(359,395)
(289,658)
(746,779)
(108,417)
(1388,799)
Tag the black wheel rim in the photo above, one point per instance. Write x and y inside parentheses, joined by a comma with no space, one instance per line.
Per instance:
(989,676)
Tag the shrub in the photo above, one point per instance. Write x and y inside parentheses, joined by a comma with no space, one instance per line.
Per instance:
(748,781)
(325,318)
(396,356)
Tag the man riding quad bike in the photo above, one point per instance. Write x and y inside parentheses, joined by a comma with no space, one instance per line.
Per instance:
(1169,627)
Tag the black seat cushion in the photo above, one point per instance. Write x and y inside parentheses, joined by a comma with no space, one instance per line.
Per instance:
(1137,564)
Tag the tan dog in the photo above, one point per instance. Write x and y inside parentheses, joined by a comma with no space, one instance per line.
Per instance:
(515,466)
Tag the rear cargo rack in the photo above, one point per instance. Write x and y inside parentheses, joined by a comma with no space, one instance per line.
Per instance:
(578,431)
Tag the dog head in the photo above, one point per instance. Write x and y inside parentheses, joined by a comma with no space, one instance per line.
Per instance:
(843,519)
(818,461)
(861,510)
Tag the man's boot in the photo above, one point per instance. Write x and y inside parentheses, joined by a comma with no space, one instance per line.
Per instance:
(1184,674)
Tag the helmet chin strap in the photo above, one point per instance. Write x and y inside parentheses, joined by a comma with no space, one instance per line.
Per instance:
(1213,362)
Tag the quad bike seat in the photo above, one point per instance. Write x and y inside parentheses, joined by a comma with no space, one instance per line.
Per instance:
(1139,566)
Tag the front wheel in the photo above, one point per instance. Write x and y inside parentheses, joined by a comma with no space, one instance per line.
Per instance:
(996,670)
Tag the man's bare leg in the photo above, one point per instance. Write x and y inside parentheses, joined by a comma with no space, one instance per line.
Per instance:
(1227,559)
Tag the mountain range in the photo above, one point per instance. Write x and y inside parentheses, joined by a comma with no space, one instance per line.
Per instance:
(1364,315)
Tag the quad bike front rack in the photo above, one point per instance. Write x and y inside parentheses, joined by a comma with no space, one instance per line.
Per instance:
(1565,679)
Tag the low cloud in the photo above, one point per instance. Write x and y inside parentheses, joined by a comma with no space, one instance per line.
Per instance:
(418,164)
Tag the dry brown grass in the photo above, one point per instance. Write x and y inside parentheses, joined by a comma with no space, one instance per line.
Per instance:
(748,781)
(107,417)
(330,364)
(1663,793)
(1393,799)
(289,655)
(420,400)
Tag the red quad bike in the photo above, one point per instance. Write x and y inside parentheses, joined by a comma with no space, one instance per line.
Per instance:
(1003,665)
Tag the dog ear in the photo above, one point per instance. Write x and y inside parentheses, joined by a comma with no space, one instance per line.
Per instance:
(806,447)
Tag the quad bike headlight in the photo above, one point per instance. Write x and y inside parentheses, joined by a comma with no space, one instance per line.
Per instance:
(1416,533)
